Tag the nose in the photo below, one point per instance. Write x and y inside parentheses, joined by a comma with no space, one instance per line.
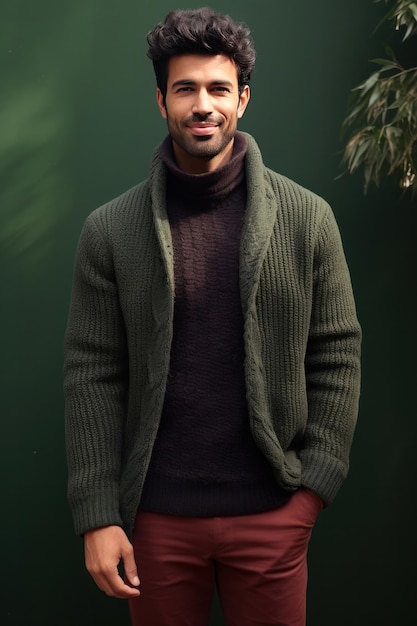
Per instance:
(202,103)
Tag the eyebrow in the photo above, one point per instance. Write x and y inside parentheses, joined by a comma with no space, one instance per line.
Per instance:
(187,81)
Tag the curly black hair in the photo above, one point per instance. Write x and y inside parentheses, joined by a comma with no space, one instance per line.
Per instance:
(200,31)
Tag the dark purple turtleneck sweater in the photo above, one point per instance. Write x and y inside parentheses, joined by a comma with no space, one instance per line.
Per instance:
(205,462)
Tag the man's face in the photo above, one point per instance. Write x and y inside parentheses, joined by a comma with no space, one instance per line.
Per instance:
(202,107)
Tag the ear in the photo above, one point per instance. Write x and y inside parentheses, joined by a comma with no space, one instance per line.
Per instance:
(243,101)
(161,103)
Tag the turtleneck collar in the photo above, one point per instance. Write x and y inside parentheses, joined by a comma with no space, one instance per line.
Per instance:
(214,185)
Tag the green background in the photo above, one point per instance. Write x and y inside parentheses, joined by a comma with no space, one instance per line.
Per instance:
(78,124)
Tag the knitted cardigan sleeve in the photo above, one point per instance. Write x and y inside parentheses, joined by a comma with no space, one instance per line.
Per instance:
(95,384)
(303,337)
(332,366)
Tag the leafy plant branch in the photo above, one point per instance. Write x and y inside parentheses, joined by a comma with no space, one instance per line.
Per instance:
(382,113)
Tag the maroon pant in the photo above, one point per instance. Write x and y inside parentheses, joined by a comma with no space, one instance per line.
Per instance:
(258,562)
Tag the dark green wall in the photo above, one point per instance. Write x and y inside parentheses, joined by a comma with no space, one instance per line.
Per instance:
(77,126)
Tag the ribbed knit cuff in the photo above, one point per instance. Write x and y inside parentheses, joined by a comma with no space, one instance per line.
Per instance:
(95,511)
(322,474)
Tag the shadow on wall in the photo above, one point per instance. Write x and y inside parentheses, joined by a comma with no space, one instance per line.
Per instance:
(37,67)
(33,194)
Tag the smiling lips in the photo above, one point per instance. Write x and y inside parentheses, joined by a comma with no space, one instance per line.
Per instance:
(202,128)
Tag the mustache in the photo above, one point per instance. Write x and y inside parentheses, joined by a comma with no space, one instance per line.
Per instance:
(196,118)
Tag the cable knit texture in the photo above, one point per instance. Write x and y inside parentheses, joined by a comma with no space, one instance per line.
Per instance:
(205,461)
(301,342)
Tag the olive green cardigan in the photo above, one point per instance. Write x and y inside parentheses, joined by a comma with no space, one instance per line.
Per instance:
(302,342)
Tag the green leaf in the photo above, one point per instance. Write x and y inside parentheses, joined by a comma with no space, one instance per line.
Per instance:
(369,83)
(392,134)
(386,64)
(357,156)
(413,10)
(409,31)
(374,95)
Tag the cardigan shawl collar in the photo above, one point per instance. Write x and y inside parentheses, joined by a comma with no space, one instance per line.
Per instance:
(257,226)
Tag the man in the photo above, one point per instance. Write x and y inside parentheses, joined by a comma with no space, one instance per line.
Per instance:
(212,359)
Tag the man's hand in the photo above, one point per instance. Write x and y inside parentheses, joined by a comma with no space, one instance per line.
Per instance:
(104,549)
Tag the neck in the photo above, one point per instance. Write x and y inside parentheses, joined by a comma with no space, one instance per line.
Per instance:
(213,184)
(201,165)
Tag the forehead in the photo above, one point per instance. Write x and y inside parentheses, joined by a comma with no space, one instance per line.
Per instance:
(201,68)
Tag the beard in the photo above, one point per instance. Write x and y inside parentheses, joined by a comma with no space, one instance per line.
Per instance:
(204,146)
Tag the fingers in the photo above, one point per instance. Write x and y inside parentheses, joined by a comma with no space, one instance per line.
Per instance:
(113,585)
(130,568)
(104,549)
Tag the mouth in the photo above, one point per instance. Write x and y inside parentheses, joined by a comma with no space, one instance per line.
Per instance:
(202,129)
